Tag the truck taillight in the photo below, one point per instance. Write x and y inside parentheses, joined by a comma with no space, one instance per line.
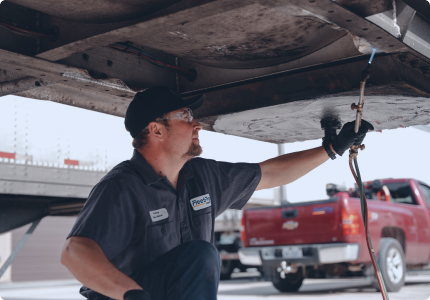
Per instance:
(350,222)
(242,230)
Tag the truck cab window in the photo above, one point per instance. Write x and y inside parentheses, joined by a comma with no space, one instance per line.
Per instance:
(426,191)
(401,192)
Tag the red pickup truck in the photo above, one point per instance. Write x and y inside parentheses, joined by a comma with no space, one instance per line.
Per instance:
(327,239)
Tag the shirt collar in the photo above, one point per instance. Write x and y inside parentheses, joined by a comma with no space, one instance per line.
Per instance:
(147,173)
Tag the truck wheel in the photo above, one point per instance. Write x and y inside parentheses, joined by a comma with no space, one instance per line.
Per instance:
(227,267)
(291,283)
(391,260)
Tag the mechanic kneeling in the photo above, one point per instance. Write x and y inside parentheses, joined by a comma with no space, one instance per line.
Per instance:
(147,228)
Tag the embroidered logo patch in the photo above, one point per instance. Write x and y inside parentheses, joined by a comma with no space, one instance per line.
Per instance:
(201,202)
(159,214)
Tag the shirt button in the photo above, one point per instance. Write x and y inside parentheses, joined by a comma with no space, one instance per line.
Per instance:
(184,224)
(163,230)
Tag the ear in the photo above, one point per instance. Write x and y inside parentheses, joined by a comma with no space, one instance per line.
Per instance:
(156,130)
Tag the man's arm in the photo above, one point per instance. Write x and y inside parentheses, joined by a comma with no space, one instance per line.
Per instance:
(289,167)
(88,263)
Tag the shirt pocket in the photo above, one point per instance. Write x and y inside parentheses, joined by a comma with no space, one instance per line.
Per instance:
(202,225)
(161,238)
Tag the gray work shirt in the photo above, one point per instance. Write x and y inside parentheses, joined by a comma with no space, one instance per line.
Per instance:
(135,215)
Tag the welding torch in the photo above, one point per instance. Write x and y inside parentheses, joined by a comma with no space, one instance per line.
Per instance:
(364,76)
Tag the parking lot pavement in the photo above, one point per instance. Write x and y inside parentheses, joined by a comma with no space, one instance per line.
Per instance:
(243,286)
(416,288)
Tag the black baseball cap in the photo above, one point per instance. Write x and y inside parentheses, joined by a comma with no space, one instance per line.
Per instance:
(152,103)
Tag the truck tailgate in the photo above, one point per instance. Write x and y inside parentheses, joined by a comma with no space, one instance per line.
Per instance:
(301,223)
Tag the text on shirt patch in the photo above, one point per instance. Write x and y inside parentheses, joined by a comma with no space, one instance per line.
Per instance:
(159,214)
(201,202)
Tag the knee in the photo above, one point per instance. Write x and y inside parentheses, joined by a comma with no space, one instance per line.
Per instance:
(203,252)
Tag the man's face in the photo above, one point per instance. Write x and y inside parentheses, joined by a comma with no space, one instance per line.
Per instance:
(183,136)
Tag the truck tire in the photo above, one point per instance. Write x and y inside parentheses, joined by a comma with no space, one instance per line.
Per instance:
(291,283)
(391,260)
(227,267)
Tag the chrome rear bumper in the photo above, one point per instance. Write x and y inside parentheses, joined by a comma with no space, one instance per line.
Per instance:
(311,254)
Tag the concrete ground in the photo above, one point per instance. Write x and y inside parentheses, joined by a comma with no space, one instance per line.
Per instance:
(242,286)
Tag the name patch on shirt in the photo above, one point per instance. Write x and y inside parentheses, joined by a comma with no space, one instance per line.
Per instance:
(201,202)
(159,214)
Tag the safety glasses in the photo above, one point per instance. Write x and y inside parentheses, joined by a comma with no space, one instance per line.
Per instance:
(186,115)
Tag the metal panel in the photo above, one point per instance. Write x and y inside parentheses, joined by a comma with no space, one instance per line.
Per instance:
(211,77)
(181,13)
(40,258)
(105,103)
(11,41)
(366,8)
(67,75)
(257,110)
(5,251)
(22,84)
(96,11)
(133,70)
(25,179)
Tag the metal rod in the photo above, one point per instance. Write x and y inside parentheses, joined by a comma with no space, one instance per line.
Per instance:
(360,106)
(365,75)
(18,247)
(282,188)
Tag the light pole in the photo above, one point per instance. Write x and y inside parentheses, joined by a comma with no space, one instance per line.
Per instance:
(282,188)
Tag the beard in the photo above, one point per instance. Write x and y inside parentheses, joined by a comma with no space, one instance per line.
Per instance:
(194,150)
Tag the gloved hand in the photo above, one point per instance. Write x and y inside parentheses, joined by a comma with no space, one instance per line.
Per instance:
(137,295)
(347,137)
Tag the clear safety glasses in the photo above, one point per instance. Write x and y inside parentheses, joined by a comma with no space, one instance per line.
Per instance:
(186,115)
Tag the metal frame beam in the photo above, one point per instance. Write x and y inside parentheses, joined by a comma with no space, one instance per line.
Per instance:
(19,247)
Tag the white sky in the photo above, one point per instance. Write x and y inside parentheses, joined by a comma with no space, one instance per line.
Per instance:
(55,131)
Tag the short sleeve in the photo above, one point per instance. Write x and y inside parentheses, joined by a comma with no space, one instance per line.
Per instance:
(232,183)
(107,217)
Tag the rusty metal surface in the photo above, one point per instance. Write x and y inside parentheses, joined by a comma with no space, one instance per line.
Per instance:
(318,92)
(209,77)
(264,32)
(69,95)
(253,36)
(14,42)
(96,11)
(315,82)
(249,54)
(300,120)
(6,75)
(134,71)
(366,8)
(250,35)
(78,78)
(23,84)
(181,13)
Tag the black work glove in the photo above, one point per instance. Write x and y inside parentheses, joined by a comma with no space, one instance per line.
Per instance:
(347,137)
(137,295)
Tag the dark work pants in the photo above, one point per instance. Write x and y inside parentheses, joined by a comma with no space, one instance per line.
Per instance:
(189,271)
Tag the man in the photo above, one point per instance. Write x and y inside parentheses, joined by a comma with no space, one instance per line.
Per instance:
(146,230)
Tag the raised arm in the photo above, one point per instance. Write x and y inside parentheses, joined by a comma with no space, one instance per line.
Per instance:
(88,263)
(287,168)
